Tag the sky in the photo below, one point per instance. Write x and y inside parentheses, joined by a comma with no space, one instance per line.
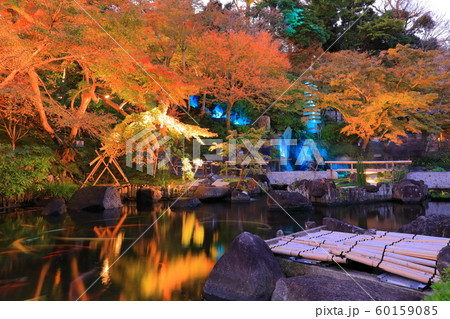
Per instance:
(437,6)
(441,7)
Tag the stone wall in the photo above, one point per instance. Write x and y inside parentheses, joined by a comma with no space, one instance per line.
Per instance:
(325,192)
(287,178)
(439,180)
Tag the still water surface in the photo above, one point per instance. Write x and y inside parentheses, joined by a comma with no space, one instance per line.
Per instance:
(59,258)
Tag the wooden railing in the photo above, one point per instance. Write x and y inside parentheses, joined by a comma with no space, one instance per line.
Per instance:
(389,166)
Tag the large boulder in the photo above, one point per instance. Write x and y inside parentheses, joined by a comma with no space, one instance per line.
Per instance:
(247,271)
(319,187)
(324,288)
(287,200)
(341,226)
(443,259)
(56,206)
(186,203)
(210,192)
(409,191)
(95,198)
(429,225)
(147,196)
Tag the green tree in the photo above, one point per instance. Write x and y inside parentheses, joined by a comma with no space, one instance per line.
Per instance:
(338,16)
(383,32)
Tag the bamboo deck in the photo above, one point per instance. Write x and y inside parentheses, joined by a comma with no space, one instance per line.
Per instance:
(407,255)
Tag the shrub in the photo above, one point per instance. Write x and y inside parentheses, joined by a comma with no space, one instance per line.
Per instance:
(398,174)
(23,169)
(441,289)
(64,190)
(360,174)
(331,134)
(440,159)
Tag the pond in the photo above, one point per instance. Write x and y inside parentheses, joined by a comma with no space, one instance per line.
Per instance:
(59,258)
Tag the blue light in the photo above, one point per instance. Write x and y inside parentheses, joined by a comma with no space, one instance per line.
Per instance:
(218,112)
(193,101)
(241,121)
(284,148)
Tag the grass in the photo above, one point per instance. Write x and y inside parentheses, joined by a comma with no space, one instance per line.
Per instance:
(64,190)
(232,180)
(148,180)
(439,194)
(345,182)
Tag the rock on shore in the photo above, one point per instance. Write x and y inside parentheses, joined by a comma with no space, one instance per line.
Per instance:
(247,271)
(211,192)
(409,191)
(324,288)
(287,200)
(95,198)
(429,225)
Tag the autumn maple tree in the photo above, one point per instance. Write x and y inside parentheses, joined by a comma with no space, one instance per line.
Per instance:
(384,97)
(241,66)
(75,71)
(44,40)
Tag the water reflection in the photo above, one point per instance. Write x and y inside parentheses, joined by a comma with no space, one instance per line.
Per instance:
(384,216)
(57,259)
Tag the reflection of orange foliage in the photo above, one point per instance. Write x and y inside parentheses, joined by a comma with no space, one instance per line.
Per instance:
(192,230)
(163,281)
(77,287)
(157,276)
(111,248)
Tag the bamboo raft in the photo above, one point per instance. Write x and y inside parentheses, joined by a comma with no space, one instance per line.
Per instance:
(407,255)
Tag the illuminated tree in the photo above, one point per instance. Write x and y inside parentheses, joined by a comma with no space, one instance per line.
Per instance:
(75,70)
(44,38)
(16,118)
(384,97)
(241,66)
(174,23)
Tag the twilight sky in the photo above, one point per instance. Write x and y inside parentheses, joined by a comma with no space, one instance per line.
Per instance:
(441,7)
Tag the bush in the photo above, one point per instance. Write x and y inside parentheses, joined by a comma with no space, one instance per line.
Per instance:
(23,169)
(331,134)
(336,150)
(441,289)
(398,174)
(64,190)
(434,160)
(360,174)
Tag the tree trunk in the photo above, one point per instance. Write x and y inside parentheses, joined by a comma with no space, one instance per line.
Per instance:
(366,141)
(34,81)
(183,57)
(66,154)
(8,79)
(230,106)
(203,104)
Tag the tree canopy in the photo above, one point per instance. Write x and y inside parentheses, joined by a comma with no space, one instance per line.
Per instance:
(71,68)
(384,96)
